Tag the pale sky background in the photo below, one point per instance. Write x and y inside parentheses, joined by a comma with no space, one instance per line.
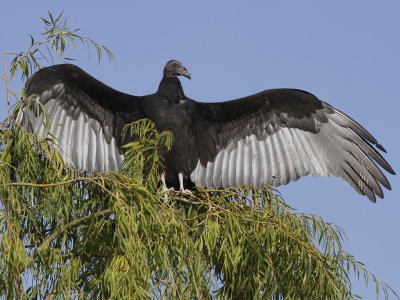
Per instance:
(345,52)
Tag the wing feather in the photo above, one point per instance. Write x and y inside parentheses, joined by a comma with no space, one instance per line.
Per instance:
(263,156)
(85,116)
(209,174)
(76,141)
(256,173)
(64,138)
(100,151)
(225,169)
(232,167)
(272,167)
(247,157)
(55,121)
(277,136)
(239,163)
(286,150)
(218,169)
(84,156)
(93,149)
(300,159)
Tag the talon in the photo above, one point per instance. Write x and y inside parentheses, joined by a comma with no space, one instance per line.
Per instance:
(189,192)
(165,193)
(164,188)
(181,188)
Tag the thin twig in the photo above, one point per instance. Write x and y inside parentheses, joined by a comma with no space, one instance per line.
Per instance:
(65,227)
(73,223)
(7,83)
(52,295)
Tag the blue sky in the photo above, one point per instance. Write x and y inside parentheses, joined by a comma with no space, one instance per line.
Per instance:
(345,52)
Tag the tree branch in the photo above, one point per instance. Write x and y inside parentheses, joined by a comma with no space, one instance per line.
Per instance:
(52,295)
(65,227)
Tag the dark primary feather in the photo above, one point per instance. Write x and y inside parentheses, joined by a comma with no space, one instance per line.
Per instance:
(87,116)
(74,88)
(272,137)
(279,135)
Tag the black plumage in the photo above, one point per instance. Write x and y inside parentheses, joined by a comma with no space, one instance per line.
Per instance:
(269,138)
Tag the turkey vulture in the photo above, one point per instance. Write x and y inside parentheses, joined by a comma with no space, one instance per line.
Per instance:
(269,138)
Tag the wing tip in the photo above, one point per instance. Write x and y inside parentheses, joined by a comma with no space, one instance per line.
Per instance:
(389,169)
(380,147)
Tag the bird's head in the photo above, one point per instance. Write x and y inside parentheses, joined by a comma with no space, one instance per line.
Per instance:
(174,68)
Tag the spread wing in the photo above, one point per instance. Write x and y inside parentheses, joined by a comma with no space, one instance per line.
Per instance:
(277,136)
(86,116)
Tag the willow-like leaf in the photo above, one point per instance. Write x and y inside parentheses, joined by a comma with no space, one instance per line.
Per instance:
(68,235)
(115,235)
(57,38)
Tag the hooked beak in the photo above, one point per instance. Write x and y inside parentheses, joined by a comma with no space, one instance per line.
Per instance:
(184,72)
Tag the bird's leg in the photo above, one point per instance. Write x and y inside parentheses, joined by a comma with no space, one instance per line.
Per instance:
(164,185)
(181,188)
(180,176)
(164,188)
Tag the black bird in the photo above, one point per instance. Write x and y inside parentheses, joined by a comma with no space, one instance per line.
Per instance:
(269,138)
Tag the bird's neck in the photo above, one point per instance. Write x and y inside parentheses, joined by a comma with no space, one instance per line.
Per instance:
(171,88)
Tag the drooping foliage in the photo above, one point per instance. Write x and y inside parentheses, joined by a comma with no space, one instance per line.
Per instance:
(118,236)
(66,235)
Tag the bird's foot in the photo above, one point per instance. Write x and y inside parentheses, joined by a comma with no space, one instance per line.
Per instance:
(181,188)
(165,191)
(185,191)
